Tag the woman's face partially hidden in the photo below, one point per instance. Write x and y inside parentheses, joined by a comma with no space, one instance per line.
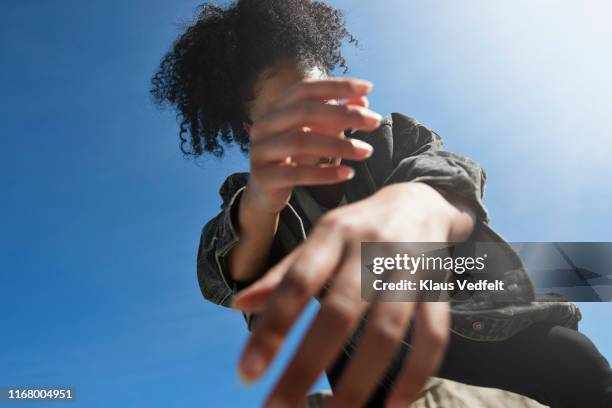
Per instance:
(273,83)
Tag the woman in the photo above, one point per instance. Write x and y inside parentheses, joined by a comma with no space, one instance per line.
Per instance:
(256,74)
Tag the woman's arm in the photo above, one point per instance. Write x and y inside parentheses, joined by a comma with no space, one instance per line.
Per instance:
(278,135)
(256,228)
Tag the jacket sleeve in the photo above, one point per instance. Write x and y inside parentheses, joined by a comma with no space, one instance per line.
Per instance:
(218,236)
(418,155)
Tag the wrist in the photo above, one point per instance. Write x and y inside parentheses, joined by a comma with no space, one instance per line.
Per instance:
(449,217)
(255,203)
(455,213)
(256,230)
(463,218)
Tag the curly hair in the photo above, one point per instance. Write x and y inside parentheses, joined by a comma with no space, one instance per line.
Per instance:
(209,73)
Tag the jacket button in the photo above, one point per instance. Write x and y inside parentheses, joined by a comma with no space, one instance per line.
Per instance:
(478,325)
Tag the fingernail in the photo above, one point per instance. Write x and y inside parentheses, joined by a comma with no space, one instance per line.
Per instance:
(244,379)
(364,86)
(371,118)
(366,102)
(362,148)
(346,172)
(252,367)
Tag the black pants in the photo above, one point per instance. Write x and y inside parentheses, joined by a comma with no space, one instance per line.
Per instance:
(554,365)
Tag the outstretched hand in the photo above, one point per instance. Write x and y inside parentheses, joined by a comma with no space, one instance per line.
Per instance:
(404,212)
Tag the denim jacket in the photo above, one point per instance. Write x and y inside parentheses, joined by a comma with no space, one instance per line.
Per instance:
(404,151)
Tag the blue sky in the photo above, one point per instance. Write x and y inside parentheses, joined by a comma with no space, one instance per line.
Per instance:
(101,215)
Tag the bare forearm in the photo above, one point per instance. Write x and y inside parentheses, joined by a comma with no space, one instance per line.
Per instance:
(256,229)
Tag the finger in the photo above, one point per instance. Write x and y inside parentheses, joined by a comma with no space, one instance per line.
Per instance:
(291,175)
(253,298)
(307,144)
(385,329)
(324,89)
(340,311)
(312,268)
(361,101)
(431,332)
(319,117)
(306,159)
